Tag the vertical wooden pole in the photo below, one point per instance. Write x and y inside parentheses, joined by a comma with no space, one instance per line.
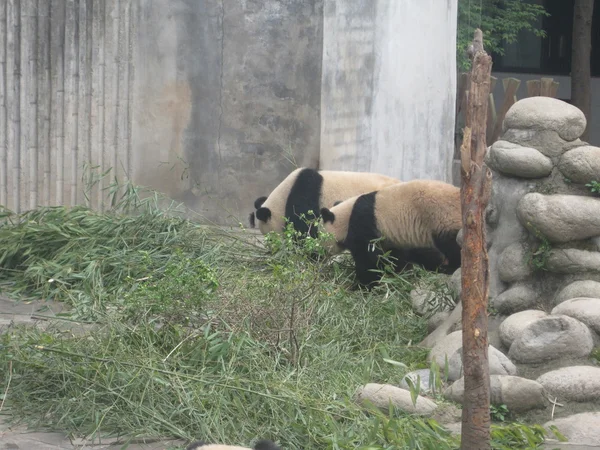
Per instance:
(475,194)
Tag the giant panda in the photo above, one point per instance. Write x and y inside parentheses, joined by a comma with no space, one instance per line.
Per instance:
(419,221)
(260,445)
(306,190)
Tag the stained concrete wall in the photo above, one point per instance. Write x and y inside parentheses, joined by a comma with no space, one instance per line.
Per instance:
(213,102)
(225,90)
(388,94)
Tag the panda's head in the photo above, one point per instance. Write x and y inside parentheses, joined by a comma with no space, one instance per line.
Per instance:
(262,214)
(260,445)
(336,221)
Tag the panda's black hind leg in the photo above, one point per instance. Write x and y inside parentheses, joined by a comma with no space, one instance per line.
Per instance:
(450,248)
(430,259)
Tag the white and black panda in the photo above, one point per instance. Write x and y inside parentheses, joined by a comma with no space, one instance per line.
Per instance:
(418,219)
(307,190)
(260,445)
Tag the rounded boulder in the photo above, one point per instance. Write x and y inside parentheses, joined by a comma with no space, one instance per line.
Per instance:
(550,338)
(516,160)
(586,310)
(575,383)
(381,395)
(513,325)
(581,165)
(546,113)
(561,218)
(579,288)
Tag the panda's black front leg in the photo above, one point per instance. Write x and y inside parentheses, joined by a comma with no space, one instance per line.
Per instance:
(366,257)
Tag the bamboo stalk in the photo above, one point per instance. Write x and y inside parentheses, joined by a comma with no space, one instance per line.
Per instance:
(3,105)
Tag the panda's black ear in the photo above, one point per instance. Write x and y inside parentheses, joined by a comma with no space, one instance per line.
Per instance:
(337,203)
(251,220)
(259,202)
(196,445)
(265,444)
(327,215)
(263,214)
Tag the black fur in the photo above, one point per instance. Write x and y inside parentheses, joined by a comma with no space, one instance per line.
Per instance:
(263,214)
(196,445)
(251,220)
(263,444)
(362,230)
(327,215)
(337,203)
(259,202)
(447,244)
(306,192)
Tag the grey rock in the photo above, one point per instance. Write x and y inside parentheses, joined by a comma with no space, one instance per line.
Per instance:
(561,218)
(515,299)
(499,364)
(518,394)
(580,288)
(380,395)
(459,237)
(546,113)
(516,160)
(445,348)
(584,309)
(575,383)
(571,260)
(581,165)
(548,142)
(424,377)
(419,298)
(513,325)
(582,429)
(446,327)
(512,265)
(437,319)
(455,282)
(550,338)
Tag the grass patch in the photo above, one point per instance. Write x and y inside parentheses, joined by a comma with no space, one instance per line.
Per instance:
(201,333)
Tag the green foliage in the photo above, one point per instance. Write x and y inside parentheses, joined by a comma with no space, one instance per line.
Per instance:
(595,354)
(201,333)
(538,256)
(594,187)
(499,413)
(501,21)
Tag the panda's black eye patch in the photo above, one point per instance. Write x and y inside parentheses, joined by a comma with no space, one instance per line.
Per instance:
(337,203)
(263,214)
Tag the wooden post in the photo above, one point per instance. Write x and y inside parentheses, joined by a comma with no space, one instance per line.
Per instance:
(475,194)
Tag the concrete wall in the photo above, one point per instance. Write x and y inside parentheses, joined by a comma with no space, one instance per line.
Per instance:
(213,102)
(389,77)
(224,90)
(564,93)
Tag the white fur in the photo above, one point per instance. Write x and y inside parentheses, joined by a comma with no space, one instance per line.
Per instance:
(337,186)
